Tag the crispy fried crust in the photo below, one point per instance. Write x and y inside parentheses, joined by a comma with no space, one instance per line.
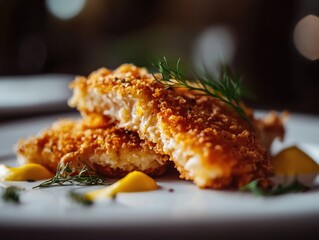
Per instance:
(270,127)
(111,151)
(208,142)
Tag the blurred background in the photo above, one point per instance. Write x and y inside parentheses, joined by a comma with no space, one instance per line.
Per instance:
(75,37)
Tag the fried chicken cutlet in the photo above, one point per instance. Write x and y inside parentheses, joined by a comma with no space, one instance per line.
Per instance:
(111,151)
(209,143)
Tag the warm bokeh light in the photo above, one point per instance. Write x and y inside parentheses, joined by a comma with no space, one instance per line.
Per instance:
(213,45)
(306,37)
(65,9)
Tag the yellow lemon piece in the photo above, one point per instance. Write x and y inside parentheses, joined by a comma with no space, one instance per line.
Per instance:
(133,182)
(29,171)
(293,161)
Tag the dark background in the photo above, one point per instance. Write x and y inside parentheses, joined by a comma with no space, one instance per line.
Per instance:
(109,33)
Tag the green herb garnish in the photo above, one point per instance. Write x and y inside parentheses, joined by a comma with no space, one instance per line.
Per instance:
(225,87)
(65,175)
(294,187)
(11,194)
(80,198)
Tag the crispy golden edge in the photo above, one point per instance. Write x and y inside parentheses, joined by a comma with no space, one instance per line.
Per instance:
(271,127)
(75,141)
(204,123)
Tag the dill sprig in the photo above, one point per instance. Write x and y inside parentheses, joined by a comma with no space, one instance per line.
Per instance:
(224,87)
(65,175)
(11,194)
(80,198)
(293,187)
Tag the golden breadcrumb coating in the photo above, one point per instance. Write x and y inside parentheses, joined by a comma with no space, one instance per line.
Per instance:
(270,127)
(110,151)
(208,142)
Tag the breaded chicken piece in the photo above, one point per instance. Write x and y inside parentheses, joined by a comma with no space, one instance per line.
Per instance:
(270,127)
(208,142)
(110,151)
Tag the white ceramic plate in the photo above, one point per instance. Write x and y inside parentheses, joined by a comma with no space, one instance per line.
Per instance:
(34,93)
(187,212)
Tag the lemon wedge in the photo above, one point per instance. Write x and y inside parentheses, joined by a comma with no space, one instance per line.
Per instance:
(135,181)
(29,171)
(293,161)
